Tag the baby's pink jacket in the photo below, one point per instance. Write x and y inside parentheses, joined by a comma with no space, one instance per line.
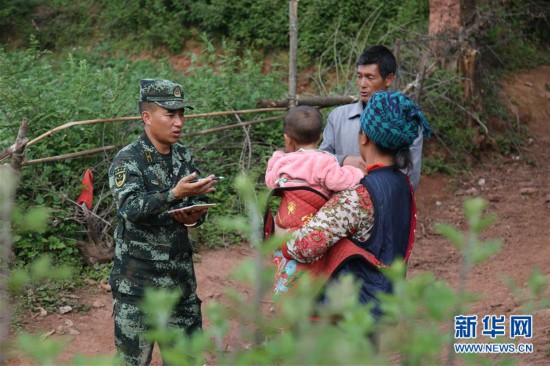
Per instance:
(314,168)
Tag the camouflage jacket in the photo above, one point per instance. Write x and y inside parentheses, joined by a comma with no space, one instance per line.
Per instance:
(152,249)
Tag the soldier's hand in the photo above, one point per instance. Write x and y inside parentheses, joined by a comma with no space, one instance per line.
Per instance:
(189,217)
(189,186)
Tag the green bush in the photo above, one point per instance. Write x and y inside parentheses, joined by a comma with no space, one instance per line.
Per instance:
(95,80)
(73,89)
(54,23)
(416,328)
(48,96)
(517,33)
(252,24)
(515,27)
(146,23)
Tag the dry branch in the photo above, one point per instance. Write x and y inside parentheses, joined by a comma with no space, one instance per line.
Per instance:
(78,123)
(228,127)
(99,248)
(420,77)
(321,102)
(18,147)
(469,113)
(247,146)
(20,144)
(8,152)
(94,121)
(227,113)
(13,148)
(419,80)
(113,147)
(85,209)
(71,155)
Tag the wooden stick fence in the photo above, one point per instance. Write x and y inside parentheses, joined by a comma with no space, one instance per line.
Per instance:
(263,106)
(11,151)
(112,147)
(190,116)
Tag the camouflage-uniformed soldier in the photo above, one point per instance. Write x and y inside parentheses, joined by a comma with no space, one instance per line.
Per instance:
(149,177)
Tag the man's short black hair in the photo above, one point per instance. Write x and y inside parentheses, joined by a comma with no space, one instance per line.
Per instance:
(382,57)
(146,106)
(303,124)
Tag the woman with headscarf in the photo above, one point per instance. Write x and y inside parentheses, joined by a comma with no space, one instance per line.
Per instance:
(378,216)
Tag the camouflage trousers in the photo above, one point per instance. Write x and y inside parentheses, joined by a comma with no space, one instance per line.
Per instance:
(130,328)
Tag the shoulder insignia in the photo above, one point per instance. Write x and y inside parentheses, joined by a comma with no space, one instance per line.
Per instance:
(120,176)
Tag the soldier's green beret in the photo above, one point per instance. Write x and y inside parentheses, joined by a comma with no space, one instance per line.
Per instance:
(165,93)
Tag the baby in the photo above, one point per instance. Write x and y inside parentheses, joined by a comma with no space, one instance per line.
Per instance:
(303,165)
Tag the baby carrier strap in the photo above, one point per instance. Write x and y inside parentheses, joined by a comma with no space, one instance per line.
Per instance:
(340,252)
(297,205)
(308,201)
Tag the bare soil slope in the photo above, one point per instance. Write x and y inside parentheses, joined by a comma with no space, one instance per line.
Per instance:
(518,193)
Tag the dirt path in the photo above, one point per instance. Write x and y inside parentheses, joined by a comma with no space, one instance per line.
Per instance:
(519,196)
(518,192)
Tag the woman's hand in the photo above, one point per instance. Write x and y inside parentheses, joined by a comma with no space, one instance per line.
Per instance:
(280,231)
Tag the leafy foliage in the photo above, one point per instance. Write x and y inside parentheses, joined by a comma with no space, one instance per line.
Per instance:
(516,34)
(94,80)
(414,327)
(71,91)
(88,77)
(94,88)
(19,279)
(250,23)
(260,24)
(414,330)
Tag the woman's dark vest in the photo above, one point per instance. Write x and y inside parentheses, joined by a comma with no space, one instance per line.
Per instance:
(392,235)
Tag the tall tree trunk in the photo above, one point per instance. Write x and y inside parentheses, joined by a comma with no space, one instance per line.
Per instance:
(453,31)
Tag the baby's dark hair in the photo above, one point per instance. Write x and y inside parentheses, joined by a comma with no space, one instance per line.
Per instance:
(303,124)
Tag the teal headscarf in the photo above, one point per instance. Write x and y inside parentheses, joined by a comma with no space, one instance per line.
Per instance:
(392,120)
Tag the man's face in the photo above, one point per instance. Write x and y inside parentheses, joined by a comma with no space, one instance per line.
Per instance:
(370,81)
(164,126)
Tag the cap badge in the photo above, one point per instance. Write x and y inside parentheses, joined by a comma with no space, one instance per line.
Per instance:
(177,92)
